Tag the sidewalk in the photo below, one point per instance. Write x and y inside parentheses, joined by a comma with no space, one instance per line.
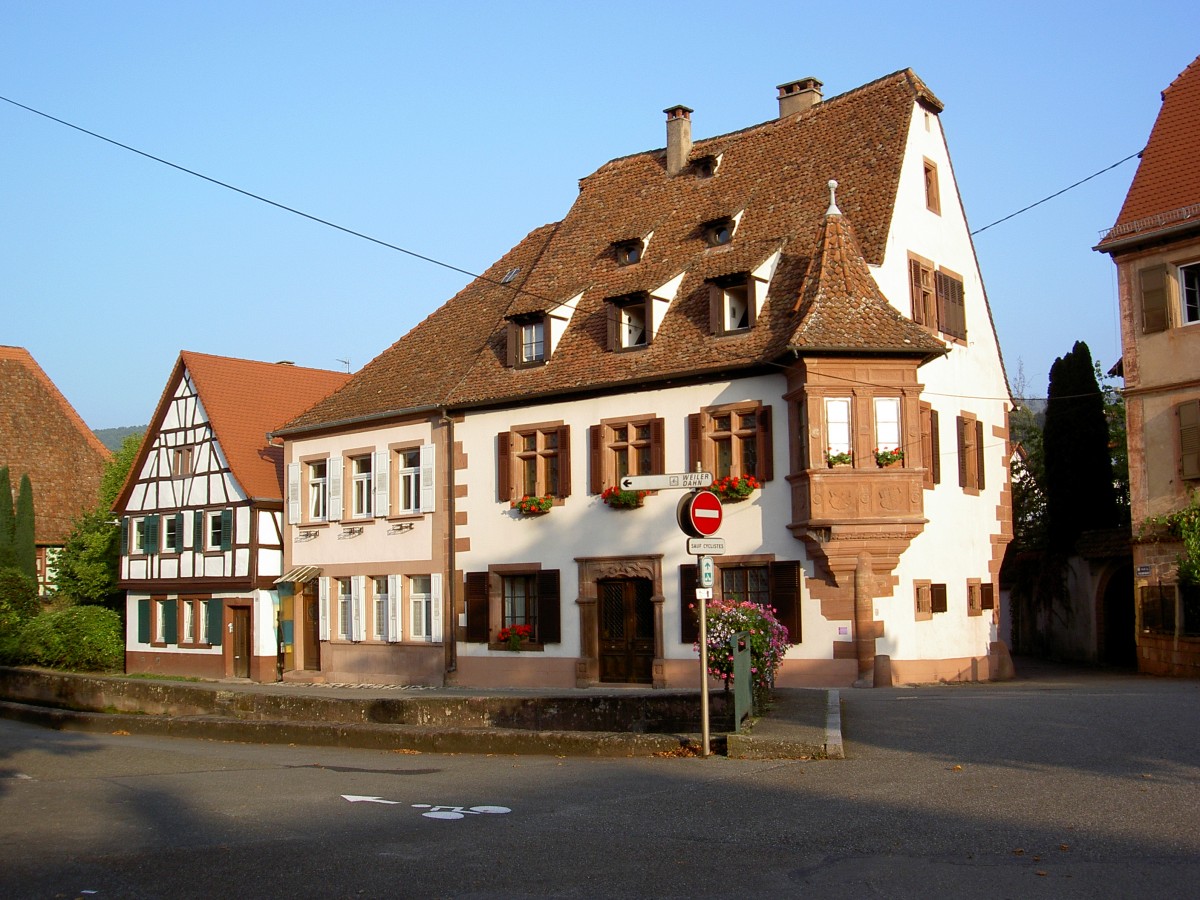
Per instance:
(801,724)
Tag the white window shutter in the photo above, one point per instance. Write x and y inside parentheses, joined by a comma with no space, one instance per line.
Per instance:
(428,455)
(394,629)
(358,608)
(383,480)
(435,607)
(323,595)
(293,494)
(334,471)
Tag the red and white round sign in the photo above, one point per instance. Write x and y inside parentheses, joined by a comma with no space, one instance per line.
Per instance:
(700,514)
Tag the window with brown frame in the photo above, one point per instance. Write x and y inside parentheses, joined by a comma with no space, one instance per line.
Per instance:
(513,594)
(526,344)
(534,461)
(951,304)
(1188,414)
(1156,312)
(922,601)
(731,303)
(628,322)
(937,598)
(620,447)
(931,446)
(933,200)
(733,439)
(974,598)
(920,289)
(774,583)
(719,231)
(987,595)
(970,453)
(628,252)
(181,461)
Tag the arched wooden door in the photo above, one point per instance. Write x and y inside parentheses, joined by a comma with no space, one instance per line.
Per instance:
(626,623)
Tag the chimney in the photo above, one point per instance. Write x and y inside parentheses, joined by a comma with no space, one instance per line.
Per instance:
(679,138)
(797,96)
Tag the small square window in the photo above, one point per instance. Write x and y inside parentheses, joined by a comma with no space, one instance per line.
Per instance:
(628,252)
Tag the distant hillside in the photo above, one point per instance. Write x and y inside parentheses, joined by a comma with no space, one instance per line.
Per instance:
(112,438)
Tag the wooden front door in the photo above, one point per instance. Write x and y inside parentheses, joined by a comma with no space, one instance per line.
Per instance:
(626,631)
(241,642)
(311,603)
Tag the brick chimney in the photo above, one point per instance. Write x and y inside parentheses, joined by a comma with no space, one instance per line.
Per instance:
(679,138)
(797,96)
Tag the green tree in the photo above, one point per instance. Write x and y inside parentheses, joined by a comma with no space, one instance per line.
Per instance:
(1028,467)
(24,543)
(7,557)
(87,566)
(1079,486)
(18,600)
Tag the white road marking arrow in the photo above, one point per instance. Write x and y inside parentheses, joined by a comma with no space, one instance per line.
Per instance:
(355,798)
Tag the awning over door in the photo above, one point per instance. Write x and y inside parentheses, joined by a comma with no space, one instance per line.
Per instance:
(299,574)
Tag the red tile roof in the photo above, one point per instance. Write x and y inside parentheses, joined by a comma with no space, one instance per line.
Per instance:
(1166,188)
(244,400)
(774,174)
(42,436)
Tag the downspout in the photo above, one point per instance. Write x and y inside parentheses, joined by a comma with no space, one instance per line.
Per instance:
(450,582)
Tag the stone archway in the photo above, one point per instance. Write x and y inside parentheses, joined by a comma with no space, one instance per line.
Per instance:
(592,570)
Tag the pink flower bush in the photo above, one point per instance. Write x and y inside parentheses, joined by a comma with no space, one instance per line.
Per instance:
(768,640)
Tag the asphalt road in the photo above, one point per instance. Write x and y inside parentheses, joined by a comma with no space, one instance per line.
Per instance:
(1062,784)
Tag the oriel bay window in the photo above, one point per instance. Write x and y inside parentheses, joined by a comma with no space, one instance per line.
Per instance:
(839,444)
(733,439)
(620,447)
(534,461)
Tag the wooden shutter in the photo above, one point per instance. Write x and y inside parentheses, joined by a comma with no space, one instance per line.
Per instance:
(428,462)
(549,607)
(980,456)
(935,442)
(987,595)
(1189,438)
(961,426)
(1156,313)
(323,606)
(177,546)
(612,318)
(689,624)
(695,453)
(293,493)
(512,338)
(564,462)
(381,472)
(170,611)
(766,456)
(785,596)
(198,530)
(214,615)
(937,598)
(435,607)
(395,628)
(226,529)
(150,535)
(125,537)
(334,481)
(143,620)
(476,594)
(716,309)
(915,293)
(358,608)
(504,466)
(596,483)
(658,453)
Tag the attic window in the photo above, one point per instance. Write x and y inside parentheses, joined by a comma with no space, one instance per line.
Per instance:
(510,275)
(527,341)
(628,252)
(732,307)
(627,322)
(706,166)
(719,231)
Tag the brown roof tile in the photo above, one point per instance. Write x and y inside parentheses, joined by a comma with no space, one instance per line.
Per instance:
(774,173)
(42,436)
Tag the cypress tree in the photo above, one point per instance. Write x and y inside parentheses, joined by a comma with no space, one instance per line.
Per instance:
(1080,493)
(7,558)
(23,543)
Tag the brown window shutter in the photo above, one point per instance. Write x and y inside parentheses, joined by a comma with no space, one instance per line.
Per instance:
(695,441)
(927,443)
(1189,438)
(613,319)
(513,336)
(916,294)
(1156,314)
(658,461)
(987,595)
(937,598)
(785,596)
(504,466)
(596,458)
(564,461)
(689,624)
(936,444)
(979,456)
(716,311)
(958,308)
(476,594)
(939,281)
(766,458)
(549,625)
(961,425)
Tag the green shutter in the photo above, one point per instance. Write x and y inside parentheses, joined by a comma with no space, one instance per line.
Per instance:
(143,620)
(980,456)
(198,530)
(151,538)
(170,610)
(125,539)
(226,529)
(213,610)
(177,546)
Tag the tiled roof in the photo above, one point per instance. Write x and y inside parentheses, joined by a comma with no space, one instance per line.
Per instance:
(244,400)
(1167,182)
(774,173)
(41,435)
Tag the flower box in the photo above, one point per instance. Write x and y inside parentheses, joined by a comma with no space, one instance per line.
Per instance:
(735,488)
(616,498)
(887,459)
(533,506)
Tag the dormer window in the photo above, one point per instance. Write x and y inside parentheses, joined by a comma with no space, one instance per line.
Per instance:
(628,252)
(627,322)
(719,231)
(706,166)
(733,304)
(527,340)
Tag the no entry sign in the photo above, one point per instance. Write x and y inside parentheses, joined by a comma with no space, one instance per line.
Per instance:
(700,514)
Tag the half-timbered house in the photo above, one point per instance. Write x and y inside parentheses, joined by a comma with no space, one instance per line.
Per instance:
(798,302)
(202,518)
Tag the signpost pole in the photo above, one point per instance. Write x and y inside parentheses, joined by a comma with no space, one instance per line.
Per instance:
(703,672)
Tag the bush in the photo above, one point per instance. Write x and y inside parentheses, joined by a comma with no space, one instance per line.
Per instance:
(768,642)
(82,638)
(18,600)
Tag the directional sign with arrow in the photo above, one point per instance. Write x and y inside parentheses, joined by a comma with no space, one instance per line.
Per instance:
(669,482)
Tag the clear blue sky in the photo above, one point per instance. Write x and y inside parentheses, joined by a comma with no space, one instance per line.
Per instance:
(453,129)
